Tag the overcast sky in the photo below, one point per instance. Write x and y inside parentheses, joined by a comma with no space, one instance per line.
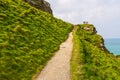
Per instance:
(103,14)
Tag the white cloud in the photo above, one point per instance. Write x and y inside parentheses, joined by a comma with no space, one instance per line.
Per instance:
(104,14)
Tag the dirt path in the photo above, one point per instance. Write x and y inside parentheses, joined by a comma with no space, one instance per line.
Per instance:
(58,68)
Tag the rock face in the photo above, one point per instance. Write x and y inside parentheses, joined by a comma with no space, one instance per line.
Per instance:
(40,4)
(88,28)
(102,45)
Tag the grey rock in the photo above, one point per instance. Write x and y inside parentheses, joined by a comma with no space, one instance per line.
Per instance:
(40,4)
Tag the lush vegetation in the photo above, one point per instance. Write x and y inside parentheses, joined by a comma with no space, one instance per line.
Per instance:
(89,61)
(76,59)
(28,38)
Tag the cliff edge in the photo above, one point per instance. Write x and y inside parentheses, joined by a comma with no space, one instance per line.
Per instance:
(89,34)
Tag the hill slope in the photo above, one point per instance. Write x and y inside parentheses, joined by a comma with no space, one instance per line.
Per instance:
(90,59)
(28,38)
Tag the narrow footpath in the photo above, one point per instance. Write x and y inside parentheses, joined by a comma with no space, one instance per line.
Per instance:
(58,68)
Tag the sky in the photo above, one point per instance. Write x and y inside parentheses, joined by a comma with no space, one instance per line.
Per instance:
(103,14)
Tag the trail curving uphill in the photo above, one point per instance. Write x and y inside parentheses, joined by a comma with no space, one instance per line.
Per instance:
(58,68)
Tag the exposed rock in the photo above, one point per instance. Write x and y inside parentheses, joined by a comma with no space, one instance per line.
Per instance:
(40,4)
(102,45)
(86,28)
(94,30)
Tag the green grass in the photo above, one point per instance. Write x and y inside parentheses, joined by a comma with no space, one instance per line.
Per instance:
(28,39)
(76,59)
(89,62)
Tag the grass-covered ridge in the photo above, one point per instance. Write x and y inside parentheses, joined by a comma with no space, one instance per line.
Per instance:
(89,61)
(28,38)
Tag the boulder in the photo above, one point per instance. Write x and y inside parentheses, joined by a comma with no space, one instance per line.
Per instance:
(40,4)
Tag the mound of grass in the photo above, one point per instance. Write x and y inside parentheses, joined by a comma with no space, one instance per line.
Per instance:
(28,38)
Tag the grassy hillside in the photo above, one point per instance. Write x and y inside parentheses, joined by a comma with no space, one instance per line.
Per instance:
(28,38)
(89,61)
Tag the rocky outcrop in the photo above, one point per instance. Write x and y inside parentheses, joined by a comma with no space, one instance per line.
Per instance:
(40,4)
(94,30)
(89,28)
(91,31)
(102,45)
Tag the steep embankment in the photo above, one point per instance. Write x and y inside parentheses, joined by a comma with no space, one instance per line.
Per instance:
(90,60)
(28,38)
